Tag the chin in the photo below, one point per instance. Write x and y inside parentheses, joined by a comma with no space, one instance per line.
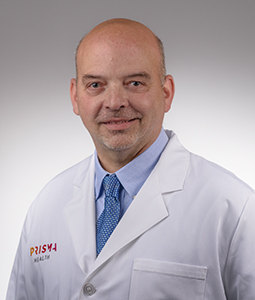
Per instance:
(118,144)
(117,147)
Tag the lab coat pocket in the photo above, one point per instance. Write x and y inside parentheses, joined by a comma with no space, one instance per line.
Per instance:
(160,280)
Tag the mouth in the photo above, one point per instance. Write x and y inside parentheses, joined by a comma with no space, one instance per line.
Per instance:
(119,124)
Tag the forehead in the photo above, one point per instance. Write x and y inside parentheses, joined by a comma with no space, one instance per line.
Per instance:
(118,46)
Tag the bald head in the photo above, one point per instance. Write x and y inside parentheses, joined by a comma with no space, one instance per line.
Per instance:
(123,30)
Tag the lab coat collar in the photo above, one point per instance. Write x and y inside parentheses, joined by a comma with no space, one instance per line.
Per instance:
(173,165)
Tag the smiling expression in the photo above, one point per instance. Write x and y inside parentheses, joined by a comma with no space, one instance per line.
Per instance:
(119,93)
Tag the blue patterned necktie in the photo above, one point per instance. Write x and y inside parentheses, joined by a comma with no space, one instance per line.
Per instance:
(109,218)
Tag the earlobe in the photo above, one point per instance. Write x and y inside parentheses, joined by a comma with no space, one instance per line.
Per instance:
(73,95)
(168,89)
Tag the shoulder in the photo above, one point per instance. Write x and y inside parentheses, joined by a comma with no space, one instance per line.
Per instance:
(203,180)
(72,175)
(59,190)
(218,190)
(201,171)
(208,173)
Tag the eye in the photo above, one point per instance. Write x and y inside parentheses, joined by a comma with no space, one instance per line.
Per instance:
(135,83)
(94,85)
(136,86)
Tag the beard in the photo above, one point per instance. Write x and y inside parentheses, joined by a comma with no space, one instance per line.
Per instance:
(119,140)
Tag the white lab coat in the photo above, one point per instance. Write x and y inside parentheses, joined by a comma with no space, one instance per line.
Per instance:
(188,234)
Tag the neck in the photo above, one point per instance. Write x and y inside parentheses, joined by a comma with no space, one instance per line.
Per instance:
(112,161)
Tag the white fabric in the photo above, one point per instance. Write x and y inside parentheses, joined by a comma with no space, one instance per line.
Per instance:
(188,234)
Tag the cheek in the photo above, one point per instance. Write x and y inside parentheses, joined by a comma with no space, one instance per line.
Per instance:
(141,103)
(149,105)
(88,108)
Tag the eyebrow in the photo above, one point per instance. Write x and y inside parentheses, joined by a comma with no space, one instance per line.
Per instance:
(141,74)
(90,76)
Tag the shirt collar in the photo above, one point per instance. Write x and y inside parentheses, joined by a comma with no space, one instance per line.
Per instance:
(133,175)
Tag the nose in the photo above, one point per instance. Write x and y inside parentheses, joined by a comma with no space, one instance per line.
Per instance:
(116,98)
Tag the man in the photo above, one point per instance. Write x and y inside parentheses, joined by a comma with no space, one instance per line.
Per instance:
(142,218)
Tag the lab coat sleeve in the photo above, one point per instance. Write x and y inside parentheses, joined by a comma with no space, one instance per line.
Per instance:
(17,283)
(240,266)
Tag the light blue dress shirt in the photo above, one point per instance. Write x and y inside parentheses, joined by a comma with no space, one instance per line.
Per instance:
(132,176)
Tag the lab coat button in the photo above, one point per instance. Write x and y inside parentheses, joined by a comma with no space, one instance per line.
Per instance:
(89,289)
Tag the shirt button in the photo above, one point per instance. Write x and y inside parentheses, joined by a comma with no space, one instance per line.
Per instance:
(89,289)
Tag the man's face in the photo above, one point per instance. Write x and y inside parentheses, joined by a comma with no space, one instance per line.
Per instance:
(119,94)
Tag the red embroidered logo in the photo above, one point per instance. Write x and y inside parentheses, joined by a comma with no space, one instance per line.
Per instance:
(45,249)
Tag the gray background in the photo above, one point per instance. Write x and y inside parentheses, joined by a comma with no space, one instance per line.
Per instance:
(209,46)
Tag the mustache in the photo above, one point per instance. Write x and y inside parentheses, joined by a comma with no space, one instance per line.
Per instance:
(124,114)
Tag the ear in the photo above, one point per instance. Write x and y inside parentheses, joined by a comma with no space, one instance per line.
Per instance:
(168,90)
(73,95)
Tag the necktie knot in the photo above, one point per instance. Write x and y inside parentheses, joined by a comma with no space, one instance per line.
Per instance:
(111,186)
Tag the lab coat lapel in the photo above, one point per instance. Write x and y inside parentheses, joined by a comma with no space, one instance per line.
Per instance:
(139,218)
(80,216)
(148,208)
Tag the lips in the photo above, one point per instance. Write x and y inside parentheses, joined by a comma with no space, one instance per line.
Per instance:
(119,124)
(118,121)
